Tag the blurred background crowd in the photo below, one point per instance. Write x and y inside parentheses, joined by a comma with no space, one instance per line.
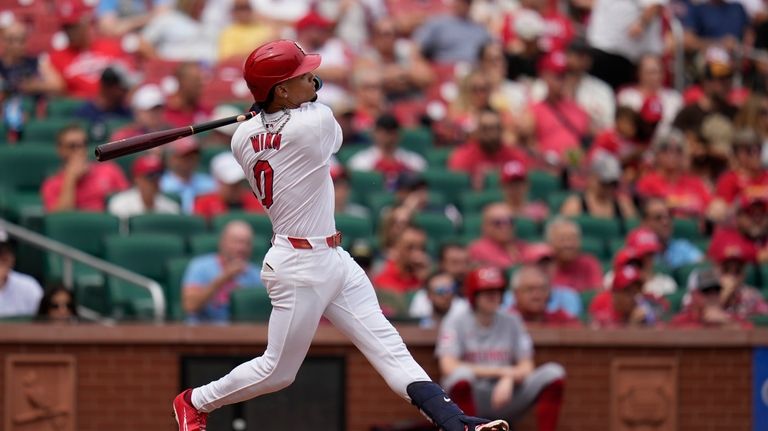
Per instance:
(609,156)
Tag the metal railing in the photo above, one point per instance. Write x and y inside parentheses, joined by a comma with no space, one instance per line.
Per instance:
(70,255)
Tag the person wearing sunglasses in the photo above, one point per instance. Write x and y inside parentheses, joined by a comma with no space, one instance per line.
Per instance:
(705,307)
(58,305)
(433,302)
(747,175)
(498,246)
(749,228)
(19,293)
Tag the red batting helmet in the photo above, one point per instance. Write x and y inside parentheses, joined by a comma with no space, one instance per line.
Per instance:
(275,62)
(481,279)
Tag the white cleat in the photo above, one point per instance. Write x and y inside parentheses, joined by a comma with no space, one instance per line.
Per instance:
(497,425)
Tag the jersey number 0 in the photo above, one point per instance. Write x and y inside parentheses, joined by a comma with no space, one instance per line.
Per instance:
(264,176)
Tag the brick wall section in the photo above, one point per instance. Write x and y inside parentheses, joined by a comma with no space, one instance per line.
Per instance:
(129,386)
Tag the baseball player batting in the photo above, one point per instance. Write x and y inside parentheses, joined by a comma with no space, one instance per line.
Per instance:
(285,152)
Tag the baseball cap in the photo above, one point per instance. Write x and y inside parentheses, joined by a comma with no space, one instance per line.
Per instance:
(651,111)
(223,111)
(147,166)
(606,167)
(184,146)
(225,169)
(480,279)
(535,253)
(313,19)
(644,241)
(72,12)
(529,24)
(625,276)
(148,96)
(731,250)
(513,171)
(626,256)
(705,279)
(387,121)
(717,63)
(553,62)
(116,75)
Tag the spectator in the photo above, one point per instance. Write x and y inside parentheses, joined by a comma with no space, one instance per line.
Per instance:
(232,193)
(749,229)
(712,96)
(603,197)
(624,304)
(407,265)
(557,29)
(81,63)
(533,291)
(22,75)
(498,245)
(485,152)
(622,31)
(754,115)
(474,97)
(573,268)
(116,18)
(524,52)
(748,176)
(453,37)
(625,142)
(385,155)
(314,32)
(110,103)
(245,32)
(58,305)
(182,177)
(515,185)
(453,259)
(686,194)
(370,100)
(656,227)
(147,104)
(558,125)
(593,95)
(715,22)
(144,197)
(641,255)
(211,278)
(561,298)
(435,300)
(650,86)
(19,293)
(221,137)
(179,35)
(186,106)
(341,193)
(80,184)
(404,70)
(705,308)
(506,95)
(495,374)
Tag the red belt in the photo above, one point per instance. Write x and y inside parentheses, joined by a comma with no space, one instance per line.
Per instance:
(333,241)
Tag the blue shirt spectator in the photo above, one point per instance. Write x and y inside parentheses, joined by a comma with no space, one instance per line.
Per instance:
(452,38)
(182,178)
(716,19)
(210,279)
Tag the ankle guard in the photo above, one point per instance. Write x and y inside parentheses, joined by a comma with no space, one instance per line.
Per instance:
(434,403)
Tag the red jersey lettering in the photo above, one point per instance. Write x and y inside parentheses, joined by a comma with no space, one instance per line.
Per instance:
(266,141)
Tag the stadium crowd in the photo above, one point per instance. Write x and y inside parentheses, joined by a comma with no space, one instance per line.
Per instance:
(574,163)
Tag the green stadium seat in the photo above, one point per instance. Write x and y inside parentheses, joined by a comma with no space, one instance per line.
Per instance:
(527,229)
(376,202)
(615,244)
(260,223)
(473,202)
(182,225)
(595,247)
(354,227)
(209,243)
(24,168)
(761,321)
(437,226)
(586,298)
(675,300)
(473,224)
(417,139)
(46,130)
(365,182)
(250,304)
(63,107)
(438,157)
(682,273)
(207,154)
(542,184)
(631,224)
(17,206)
(146,254)
(757,276)
(450,183)
(686,228)
(598,227)
(175,269)
(556,200)
(85,231)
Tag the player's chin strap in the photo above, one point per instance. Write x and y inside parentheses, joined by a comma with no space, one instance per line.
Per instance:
(435,404)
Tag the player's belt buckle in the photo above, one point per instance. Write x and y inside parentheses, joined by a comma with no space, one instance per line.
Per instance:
(334,240)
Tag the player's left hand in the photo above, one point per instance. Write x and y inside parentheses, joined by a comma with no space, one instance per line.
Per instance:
(502,392)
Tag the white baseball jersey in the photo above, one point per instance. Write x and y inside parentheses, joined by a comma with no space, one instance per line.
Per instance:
(289,172)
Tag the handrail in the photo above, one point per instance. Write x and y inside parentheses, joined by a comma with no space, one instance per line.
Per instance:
(72,254)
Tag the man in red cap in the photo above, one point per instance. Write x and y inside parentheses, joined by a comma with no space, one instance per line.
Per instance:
(495,374)
(624,304)
(514,186)
(144,197)
(642,256)
(559,127)
(485,152)
(84,58)
(285,153)
(656,227)
(749,229)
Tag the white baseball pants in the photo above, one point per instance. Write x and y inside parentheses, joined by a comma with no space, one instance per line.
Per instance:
(304,285)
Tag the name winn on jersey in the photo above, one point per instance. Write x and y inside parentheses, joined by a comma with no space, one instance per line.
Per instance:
(266,141)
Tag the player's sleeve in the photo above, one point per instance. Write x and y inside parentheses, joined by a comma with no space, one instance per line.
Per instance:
(523,342)
(449,338)
(331,131)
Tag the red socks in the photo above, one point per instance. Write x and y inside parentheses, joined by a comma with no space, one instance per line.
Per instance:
(461,394)
(548,406)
